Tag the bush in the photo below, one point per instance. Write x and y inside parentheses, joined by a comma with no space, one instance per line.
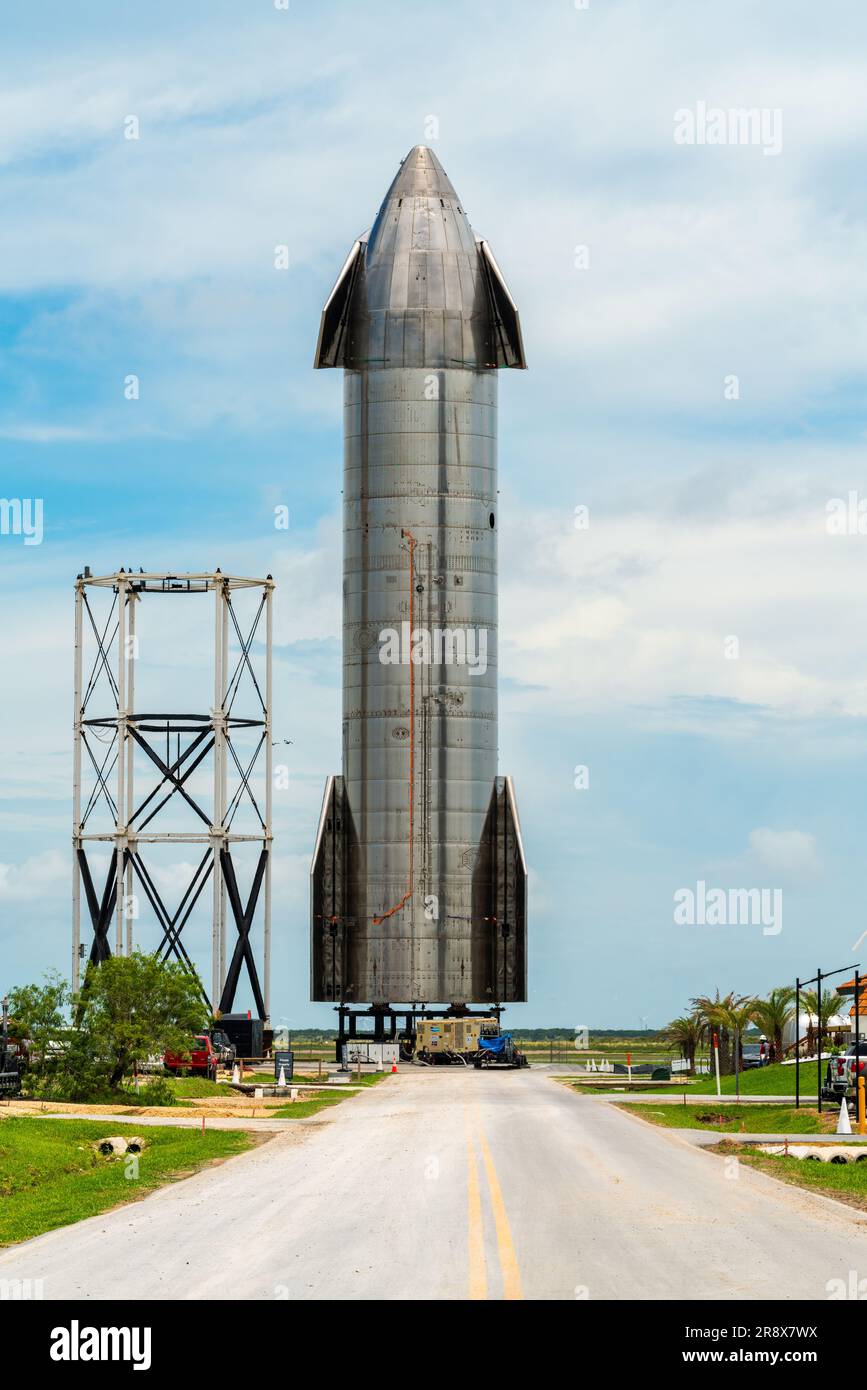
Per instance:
(66,1084)
(157,1091)
(130,1008)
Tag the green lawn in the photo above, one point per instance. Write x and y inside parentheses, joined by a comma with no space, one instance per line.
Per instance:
(620,1085)
(50,1174)
(734,1119)
(267,1079)
(369,1078)
(153,1091)
(197,1088)
(845,1181)
(775,1080)
(315,1101)
(320,1100)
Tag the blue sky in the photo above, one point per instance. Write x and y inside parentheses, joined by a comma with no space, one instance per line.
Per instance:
(262,127)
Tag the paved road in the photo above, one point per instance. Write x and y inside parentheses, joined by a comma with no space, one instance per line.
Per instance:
(456,1184)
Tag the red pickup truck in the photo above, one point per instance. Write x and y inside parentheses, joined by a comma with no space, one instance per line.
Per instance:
(202,1060)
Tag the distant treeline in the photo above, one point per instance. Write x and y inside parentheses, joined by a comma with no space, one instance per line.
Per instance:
(651,1034)
(564,1034)
(540,1034)
(523,1034)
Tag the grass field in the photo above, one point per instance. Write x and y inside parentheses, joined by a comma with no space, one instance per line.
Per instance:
(775,1080)
(845,1181)
(196,1088)
(51,1175)
(603,1088)
(612,1051)
(310,1102)
(734,1119)
(369,1078)
(313,1102)
(644,1047)
(158,1090)
(302,1079)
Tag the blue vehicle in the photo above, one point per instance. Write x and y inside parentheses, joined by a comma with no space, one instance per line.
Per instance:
(499,1051)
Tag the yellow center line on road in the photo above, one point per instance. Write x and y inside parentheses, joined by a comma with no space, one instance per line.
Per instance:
(508,1259)
(512,1288)
(478,1267)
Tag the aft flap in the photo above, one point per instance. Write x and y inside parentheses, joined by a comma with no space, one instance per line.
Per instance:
(500,902)
(330,901)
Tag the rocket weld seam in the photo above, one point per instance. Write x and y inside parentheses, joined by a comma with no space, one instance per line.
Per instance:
(408,894)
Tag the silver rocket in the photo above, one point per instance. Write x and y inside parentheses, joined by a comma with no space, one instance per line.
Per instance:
(418,882)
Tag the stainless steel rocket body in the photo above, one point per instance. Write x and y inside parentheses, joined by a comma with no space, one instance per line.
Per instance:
(419,884)
(419,739)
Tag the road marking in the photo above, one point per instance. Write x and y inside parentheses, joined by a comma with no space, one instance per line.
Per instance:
(505,1245)
(478,1268)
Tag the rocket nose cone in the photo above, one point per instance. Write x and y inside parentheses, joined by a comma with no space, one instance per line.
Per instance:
(421,173)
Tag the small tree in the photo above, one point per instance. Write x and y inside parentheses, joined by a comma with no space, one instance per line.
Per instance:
(37,1017)
(832,1003)
(736,1016)
(687,1034)
(716,1013)
(134,1007)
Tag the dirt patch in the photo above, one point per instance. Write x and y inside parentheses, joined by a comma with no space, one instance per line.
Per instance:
(242,1108)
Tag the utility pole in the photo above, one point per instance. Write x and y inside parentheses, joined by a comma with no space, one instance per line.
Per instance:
(797,1044)
(819,1046)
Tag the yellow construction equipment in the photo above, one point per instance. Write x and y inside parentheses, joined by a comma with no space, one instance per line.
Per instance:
(443,1037)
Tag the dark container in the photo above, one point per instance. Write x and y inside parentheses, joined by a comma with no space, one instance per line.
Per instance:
(246,1033)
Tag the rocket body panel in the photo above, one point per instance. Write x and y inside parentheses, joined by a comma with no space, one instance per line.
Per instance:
(402,480)
(419,883)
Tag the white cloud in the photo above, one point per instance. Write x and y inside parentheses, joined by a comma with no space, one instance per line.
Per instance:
(704,262)
(785,851)
(636,611)
(39,877)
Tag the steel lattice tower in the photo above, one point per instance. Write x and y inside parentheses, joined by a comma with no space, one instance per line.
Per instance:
(119,750)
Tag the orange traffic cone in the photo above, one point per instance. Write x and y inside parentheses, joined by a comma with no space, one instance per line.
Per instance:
(393,1068)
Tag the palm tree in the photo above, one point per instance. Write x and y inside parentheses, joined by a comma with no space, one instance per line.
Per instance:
(772,1015)
(737,1017)
(831,1004)
(716,1013)
(686,1033)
